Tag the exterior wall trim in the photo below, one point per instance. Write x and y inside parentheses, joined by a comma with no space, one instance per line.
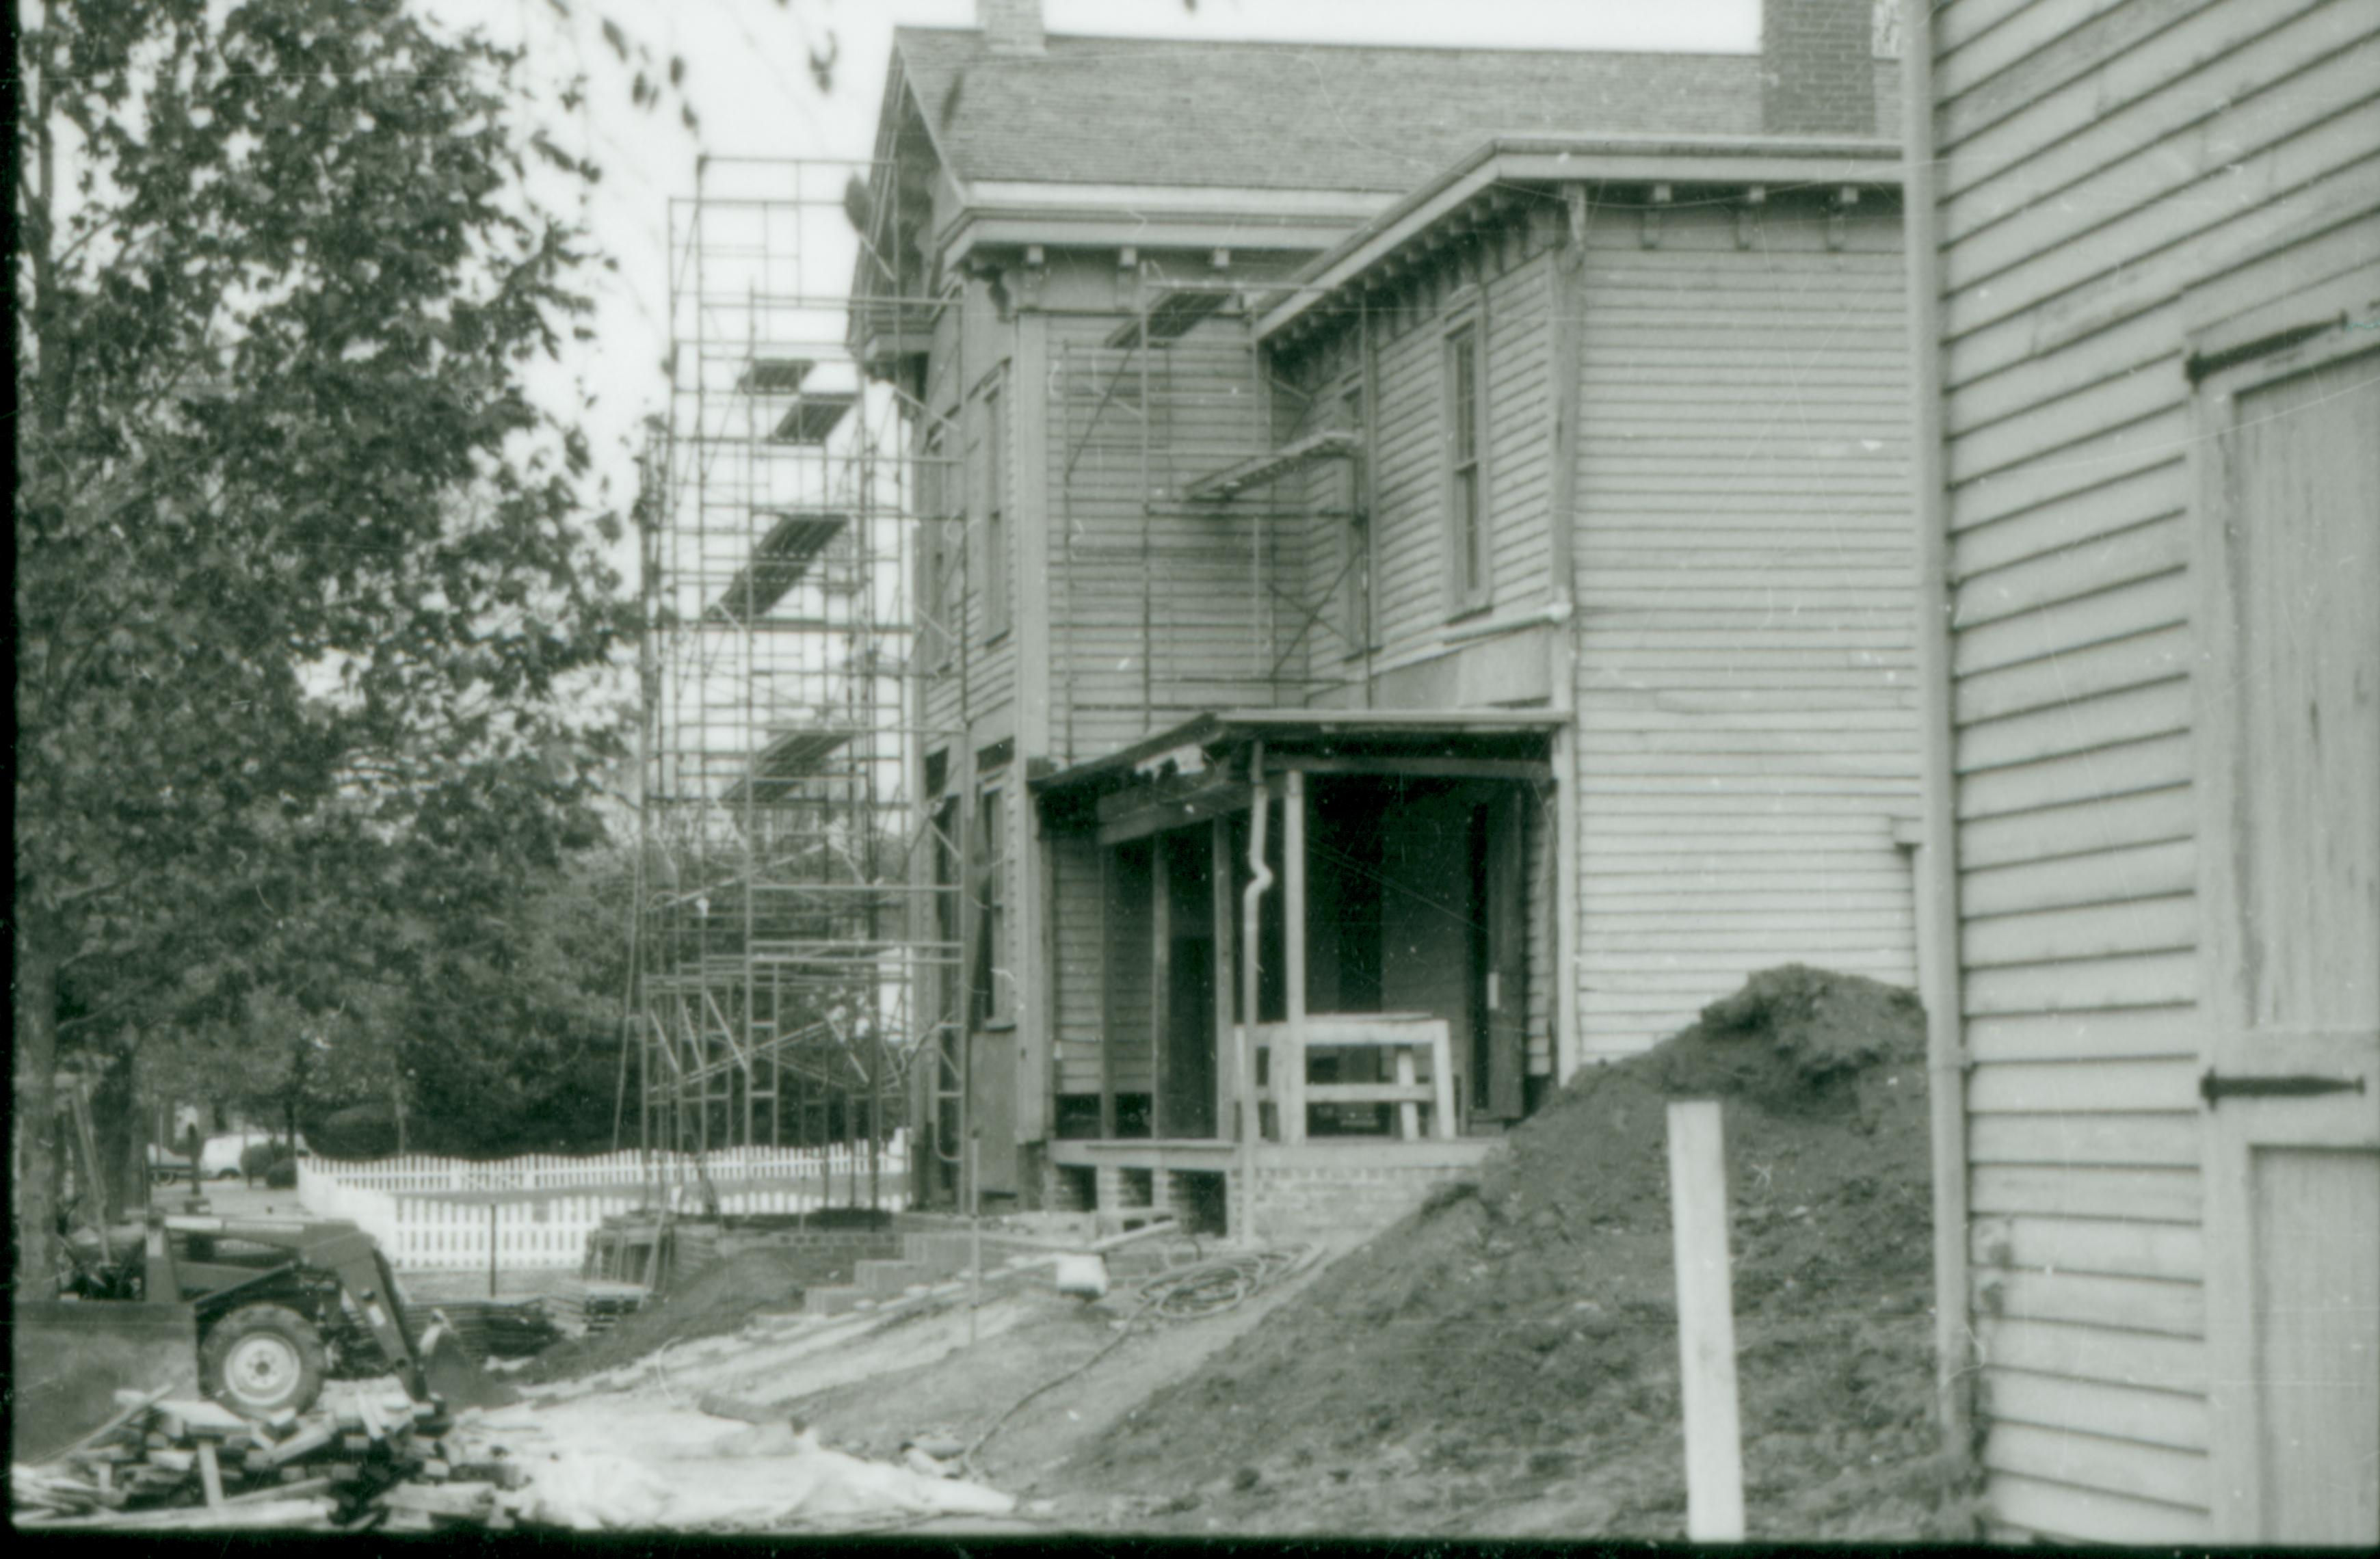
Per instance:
(1936,862)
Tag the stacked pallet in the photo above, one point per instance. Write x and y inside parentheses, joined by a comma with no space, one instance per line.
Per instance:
(370,1460)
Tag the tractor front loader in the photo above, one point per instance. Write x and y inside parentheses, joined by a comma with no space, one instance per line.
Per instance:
(254,1313)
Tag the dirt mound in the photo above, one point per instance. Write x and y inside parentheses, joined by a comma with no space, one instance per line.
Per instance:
(718,1297)
(1506,1359)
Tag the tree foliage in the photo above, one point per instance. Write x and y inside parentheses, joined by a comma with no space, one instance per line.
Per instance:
(304,582)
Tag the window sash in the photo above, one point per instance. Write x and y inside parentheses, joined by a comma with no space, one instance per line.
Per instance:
(994,508)
(1466,465)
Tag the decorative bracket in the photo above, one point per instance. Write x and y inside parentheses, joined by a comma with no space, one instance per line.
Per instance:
(1654,205)
(1747,215)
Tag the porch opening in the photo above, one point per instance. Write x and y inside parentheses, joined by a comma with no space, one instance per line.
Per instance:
(1421,892)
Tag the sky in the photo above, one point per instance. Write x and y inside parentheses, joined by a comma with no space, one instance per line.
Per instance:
(748,78)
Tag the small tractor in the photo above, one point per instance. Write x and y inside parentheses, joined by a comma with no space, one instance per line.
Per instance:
(255,1312)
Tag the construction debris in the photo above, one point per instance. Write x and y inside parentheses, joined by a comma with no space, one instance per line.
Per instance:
(371,1459)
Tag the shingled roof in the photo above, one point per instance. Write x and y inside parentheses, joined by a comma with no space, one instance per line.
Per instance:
(1140,111)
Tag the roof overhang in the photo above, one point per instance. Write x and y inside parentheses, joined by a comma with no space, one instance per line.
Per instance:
(1212,752)
(1771,163)
(1000,214)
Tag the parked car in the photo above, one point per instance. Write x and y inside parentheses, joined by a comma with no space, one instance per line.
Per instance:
(219,1159)
(166,1166)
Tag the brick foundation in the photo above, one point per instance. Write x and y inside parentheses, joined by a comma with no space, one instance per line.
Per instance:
(1310,1204)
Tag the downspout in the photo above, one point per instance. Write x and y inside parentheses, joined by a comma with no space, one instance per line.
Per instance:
(1251,905)
(1936,866)
(1564,342)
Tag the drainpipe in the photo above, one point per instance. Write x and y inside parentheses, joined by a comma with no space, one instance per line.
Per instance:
(1937,865)
(1251,902)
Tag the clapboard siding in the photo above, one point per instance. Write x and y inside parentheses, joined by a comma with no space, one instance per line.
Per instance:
(1157,613)
(2131,1467)
(2025,1508)
(1407,434)
(2095,161)
(2120,1412)
(2062,1191)
(1744,690)
(1075,873)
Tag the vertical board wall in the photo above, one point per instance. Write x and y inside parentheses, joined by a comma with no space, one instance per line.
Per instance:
(2112,179)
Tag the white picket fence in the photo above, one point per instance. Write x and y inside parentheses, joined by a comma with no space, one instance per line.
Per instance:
(431,1214)
(422,1172)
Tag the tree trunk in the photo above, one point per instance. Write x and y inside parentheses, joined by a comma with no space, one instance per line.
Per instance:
(35,1110)
(116,1127)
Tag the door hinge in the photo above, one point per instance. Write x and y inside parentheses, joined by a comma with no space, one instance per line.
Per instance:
(2215,1088)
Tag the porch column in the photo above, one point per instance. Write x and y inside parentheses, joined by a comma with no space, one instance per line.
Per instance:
(1161,983)
(1289,1064)
(1226,1050)
(1108,1037)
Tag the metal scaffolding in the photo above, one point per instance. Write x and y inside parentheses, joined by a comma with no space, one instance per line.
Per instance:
(782,976)
(1168,475)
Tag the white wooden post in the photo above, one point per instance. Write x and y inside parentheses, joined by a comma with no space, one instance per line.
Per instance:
(1706,1325)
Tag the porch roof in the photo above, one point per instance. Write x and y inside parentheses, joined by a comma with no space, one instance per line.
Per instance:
(1218,740)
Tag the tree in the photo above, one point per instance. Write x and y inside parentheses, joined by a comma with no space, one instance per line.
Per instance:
(303,582)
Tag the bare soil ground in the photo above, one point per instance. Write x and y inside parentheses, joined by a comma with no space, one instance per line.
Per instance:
(1505,1362)
(1502,1363)
(721,1297)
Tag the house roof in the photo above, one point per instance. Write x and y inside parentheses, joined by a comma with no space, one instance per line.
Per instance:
(1783,161)
(1271,115)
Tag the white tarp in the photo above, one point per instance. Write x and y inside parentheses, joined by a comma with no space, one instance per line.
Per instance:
(633,1466)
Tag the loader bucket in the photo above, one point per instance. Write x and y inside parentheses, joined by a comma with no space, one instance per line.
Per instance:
(69,1360)
(456,1378)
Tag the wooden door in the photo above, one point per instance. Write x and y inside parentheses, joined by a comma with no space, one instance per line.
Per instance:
(2290,860)
(1184,950)
(1430,930)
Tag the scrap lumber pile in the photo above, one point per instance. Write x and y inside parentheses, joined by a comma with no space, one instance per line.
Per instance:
(373,1459)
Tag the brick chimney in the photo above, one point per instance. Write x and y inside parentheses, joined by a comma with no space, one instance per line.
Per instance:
(1817,70)
(1010,27)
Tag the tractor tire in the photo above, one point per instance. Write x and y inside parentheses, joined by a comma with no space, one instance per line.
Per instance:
(261,1358)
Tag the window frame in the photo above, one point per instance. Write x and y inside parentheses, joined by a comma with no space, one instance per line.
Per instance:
(935,631)
(1359,543)
(1470,540)
(991,505)
(990,1002)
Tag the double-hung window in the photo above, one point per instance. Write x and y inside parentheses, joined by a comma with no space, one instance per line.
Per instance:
(993,506)
(1466,466)
(940,561)
(989,1004)
(1355,564)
